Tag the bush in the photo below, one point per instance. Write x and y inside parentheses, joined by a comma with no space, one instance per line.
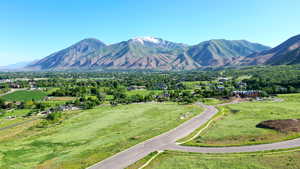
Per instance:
(54,117)
(2,103)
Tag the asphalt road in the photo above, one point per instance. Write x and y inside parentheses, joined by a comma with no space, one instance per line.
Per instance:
(167,141)
(238,149)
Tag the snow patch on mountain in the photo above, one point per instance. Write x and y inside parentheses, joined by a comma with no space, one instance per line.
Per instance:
(147,39)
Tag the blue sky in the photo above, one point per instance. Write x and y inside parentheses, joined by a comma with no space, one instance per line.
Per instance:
(32,29)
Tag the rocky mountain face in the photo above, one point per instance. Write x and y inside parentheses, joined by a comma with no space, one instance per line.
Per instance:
(77,55)
(223,52)
(148,53)
(286,53)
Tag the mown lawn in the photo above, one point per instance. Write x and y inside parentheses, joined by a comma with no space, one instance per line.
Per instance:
(25,95)
(181,160)
(238,125)
(86,137)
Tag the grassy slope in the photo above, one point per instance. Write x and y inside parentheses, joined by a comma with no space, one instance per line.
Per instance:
(180,160)
(89,136)
(25,96)
(238,126)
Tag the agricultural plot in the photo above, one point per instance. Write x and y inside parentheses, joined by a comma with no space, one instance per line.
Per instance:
(197,84)
(15,113)
(238,124)
(25,95)
(272,160)
(86,137)
(143,92)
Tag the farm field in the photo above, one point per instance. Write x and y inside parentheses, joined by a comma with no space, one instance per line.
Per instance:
(25,95)
(237,126)
(182,160)
(135,92)
(198,84)
(17,113)
(88,136)
(61,98)
(143,92)
(213,101)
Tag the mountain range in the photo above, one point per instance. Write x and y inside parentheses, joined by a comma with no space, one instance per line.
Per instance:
(286,53)
(156,53)
(16,66)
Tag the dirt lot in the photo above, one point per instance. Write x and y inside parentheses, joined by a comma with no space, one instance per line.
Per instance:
(289,125)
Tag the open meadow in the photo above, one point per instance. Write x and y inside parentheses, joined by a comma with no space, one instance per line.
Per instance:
(25,95)
(236,124)
(88,136)
(182,160)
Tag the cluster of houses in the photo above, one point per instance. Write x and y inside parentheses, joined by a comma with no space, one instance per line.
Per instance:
(163,96)
(160,86)
(5,80)
(134,87)
(13,80)
(247,93)
(20,79)
(13,83)
(59,108)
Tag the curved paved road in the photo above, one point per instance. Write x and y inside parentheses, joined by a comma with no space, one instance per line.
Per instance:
(252,148)
(167,141)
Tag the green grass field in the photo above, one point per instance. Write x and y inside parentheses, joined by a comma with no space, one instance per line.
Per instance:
(143,92)
(86,137)
(213,101)
(17,113)
(181,160)
(238,125)
(192,85)
(25,95)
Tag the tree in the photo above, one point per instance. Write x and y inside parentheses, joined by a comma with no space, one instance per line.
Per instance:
(2,103)
(54,117)
(101,97)
(136,98)
(29,104)
(41,106)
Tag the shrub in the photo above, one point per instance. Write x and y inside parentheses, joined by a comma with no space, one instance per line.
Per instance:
(54,117)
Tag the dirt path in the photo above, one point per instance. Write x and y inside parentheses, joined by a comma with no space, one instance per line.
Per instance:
(18,124)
